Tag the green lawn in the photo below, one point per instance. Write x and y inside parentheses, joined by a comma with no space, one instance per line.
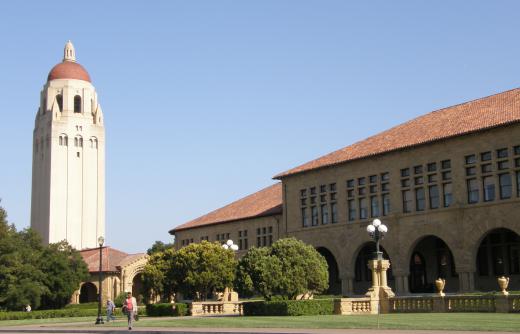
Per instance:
(429,321)
(439,321)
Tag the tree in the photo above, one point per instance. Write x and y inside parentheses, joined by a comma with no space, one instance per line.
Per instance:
(157,276)
(288,268)
(64,270)
(159,246)
(201,268)
(31,273)
(258,272)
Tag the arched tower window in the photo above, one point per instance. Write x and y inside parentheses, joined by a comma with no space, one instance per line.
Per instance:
(76,142)
(66,141)
(61,140)
(77,104)
(59,99)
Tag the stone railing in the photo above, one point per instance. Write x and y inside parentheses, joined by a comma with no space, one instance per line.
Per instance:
(411,304)
(347,306)
(469,303)
(216,308)
(455,303)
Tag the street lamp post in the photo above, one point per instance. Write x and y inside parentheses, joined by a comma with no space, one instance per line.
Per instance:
(377,231)
(101,241)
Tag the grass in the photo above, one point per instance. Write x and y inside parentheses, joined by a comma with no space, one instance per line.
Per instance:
(426,321)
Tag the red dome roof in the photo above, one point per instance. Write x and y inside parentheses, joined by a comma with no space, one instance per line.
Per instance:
(68,70)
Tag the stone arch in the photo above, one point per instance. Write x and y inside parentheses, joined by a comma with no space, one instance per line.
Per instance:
(334,278)
(497,254)
(363,275)
(429,258)
(88,293)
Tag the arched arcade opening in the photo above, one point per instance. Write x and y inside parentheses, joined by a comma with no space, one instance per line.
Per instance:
(88,293)
(137,288)
(498,255)
(431,259)
(334,280)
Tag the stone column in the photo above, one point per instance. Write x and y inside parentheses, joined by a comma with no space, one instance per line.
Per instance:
(347,285)
(466,281)
(401,284)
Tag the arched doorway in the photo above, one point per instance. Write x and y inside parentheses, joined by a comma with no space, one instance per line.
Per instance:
(137,288)
(498,255)
(87,293)
(334,281)
(363,275)
(431,259)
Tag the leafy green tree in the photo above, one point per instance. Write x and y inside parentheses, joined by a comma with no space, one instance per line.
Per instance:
(258,272)
(64,270)
(158,247)
(288,268)
(157,276)
(31,273)
(201,268)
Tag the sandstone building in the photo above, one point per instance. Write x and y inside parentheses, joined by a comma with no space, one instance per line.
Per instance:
(447,184)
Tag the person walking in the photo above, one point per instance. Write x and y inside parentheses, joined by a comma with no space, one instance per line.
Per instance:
(110,310)
(131,309)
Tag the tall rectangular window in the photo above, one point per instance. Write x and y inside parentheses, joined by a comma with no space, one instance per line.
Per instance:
(434,196)
(334,211)
(374,206)
(386,204)
(488,183)
(363,208)
(506,186)
(473,196)
(324,214)
(314,215)
(407,201)
(420,200)
(447,196)
(351,210)
(305,219)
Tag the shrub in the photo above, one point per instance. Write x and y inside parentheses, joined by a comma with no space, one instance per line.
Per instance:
(84,306)
(70,311)
(167,309)
(290,307)
(120,299)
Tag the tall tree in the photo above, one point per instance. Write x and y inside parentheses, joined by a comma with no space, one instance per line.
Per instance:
(158,247)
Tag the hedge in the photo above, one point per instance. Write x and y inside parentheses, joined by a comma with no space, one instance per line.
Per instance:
(289,307)
(70,311)
(167,309)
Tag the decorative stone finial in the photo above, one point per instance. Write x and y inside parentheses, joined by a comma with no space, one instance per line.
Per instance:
(69,54)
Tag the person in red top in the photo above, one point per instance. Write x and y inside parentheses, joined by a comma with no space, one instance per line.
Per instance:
(130,306)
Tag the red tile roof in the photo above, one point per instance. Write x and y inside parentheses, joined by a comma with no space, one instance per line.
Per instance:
(485,113)
(112,258)
(266,202)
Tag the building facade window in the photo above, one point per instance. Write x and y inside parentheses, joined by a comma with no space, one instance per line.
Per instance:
(242,240)
(488,183)
(386,204)
(506,186)
(334,213)
(314,216)
(447,197)
(407,201)
(351,210)
(433,192)
(264,236)
(305,219)
(473,192)
(374,206)
(324,214)
(77,104)
(420,199)
(363,208)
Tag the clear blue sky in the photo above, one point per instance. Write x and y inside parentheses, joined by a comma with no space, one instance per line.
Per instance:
(205,101)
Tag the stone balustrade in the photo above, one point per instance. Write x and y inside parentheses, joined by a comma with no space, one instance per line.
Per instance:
(347,306)
(215,308)
(411,304)
(470,303)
